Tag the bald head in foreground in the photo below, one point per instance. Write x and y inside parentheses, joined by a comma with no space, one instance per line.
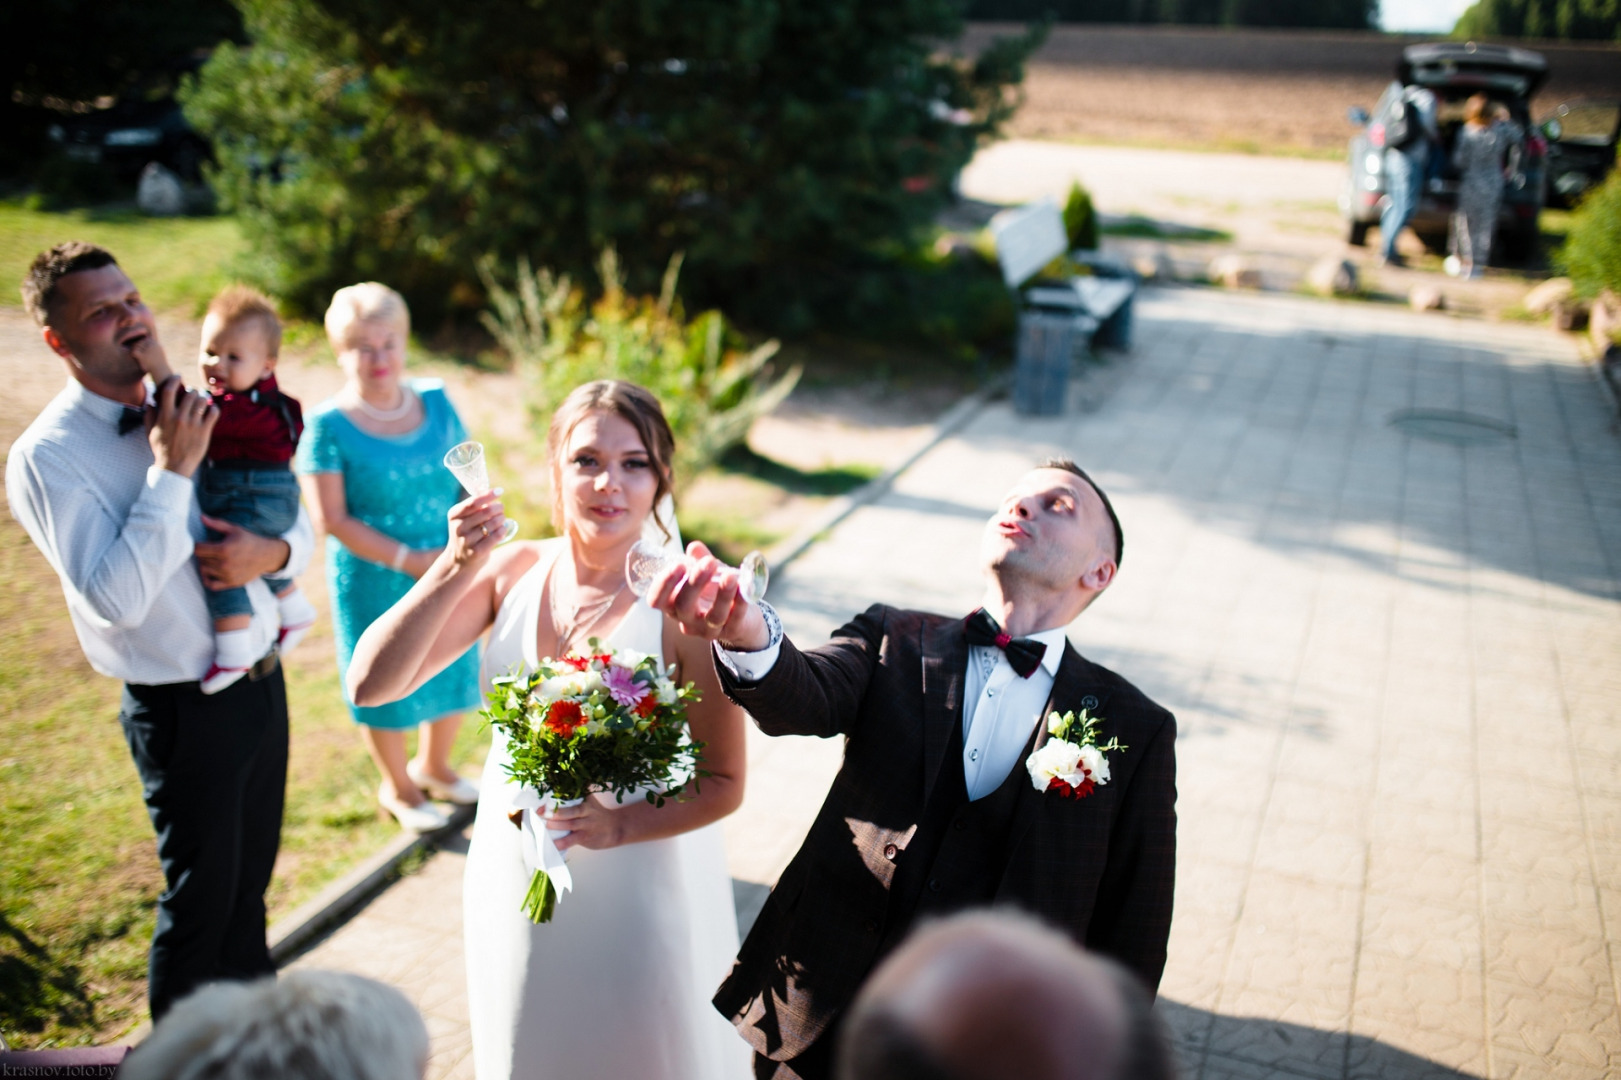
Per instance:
(997,996)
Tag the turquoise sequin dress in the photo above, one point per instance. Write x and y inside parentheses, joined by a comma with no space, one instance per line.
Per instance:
(398,485)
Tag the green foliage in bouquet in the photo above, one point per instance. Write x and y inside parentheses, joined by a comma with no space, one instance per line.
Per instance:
(572,745)
(786,148)
(711,386)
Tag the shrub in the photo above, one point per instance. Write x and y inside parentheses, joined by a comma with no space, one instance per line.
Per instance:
(1080,219)
(712,388)
(784,147)
(1592,251)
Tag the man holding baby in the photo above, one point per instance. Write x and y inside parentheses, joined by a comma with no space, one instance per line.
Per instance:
(102,481)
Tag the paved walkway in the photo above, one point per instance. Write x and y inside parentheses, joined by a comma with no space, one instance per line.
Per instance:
(1394,661)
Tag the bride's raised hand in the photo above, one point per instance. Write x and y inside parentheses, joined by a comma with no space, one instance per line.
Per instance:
(592,824)
(475,528)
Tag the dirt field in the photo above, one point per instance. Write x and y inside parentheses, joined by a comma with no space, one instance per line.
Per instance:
(1256,91)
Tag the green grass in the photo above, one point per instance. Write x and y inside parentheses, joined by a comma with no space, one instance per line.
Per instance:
(1147,228)
(179,263)
(836,480)
(80,876)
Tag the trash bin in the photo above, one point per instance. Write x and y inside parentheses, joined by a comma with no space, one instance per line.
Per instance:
(1042,360)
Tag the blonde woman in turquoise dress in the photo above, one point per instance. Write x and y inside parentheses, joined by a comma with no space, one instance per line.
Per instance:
(371,465)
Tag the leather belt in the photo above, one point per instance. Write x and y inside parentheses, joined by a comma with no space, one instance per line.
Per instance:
(265,665)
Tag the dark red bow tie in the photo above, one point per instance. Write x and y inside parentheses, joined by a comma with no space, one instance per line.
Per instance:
(1023,653)
(129,419)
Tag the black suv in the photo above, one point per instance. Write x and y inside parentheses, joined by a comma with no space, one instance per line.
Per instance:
(1454,73)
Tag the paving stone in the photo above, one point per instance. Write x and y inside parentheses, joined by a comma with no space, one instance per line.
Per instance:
(1396,1050)
(1413,931)
(1421,996)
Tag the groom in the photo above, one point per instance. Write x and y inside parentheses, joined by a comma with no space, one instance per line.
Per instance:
(933,809)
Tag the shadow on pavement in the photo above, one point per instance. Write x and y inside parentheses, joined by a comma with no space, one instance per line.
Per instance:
(1210,1046)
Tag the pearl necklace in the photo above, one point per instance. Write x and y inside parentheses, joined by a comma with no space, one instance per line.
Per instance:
(385,416)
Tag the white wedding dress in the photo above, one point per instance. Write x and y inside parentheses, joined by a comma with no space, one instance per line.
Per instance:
(618,984)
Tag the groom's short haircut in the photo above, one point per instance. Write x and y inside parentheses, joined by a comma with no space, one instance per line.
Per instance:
(306,1025)
(994,993)
(1069,466)
(50,267)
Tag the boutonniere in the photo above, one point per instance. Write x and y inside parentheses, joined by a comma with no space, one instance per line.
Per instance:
(1071,762)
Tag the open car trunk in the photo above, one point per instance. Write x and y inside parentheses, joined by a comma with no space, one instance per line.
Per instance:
(1505,69)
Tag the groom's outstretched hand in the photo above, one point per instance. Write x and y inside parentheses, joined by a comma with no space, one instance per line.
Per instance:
(701,595)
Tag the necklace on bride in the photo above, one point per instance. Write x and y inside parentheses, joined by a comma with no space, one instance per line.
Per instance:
(384,416)
(581,617)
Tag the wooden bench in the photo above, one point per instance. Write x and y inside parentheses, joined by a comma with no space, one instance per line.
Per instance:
(1057,316)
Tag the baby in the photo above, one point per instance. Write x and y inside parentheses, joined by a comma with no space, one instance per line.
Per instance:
(247,478)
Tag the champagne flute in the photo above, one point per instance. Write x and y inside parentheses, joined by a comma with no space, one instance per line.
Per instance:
(647,559)
(466,463)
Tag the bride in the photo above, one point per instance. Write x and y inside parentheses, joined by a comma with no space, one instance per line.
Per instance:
(618,984)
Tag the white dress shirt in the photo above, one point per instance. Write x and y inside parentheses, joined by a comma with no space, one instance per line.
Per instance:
(119,532)
(1000,709)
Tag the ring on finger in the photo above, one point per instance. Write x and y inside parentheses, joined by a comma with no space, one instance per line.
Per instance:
(485,529)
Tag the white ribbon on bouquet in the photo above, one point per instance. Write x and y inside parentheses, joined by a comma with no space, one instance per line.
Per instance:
(540,851)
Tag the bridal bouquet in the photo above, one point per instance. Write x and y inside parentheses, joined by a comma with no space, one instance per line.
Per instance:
(604,722)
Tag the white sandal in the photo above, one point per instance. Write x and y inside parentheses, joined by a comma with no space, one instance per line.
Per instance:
(423,818)
(461,793)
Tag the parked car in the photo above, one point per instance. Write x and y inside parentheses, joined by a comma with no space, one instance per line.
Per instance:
(1582,138)
(131,133)
(1454,73)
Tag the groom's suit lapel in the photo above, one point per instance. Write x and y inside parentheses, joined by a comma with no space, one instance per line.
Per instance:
(1074,688)
(945,672)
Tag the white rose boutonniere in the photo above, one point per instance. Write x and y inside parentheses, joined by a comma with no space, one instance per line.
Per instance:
(1071,762)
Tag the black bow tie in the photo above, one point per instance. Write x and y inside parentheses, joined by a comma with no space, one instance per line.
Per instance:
(1023,653)
(129,419)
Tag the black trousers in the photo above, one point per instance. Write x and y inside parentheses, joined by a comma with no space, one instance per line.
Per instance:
(214,776)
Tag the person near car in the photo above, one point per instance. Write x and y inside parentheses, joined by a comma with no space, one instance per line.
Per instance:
(102,483)
(1477,155)
(1406,167)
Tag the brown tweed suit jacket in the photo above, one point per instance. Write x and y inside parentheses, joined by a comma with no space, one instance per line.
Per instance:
(1101,868)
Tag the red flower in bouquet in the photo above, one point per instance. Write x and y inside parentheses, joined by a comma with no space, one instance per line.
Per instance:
(564,716)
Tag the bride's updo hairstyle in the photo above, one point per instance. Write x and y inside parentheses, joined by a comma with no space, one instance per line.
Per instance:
(631,403)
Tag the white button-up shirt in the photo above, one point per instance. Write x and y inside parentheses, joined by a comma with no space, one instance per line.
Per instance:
(119,532)
(1000,709)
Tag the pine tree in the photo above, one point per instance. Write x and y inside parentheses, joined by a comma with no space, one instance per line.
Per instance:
(1573,20)
(783,145)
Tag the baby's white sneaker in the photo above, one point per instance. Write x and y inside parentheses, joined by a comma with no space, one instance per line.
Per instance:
(297,616)
(233,656)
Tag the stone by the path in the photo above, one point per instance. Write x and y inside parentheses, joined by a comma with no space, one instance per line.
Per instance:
(1333,276)
(1426,298)
(1234,272)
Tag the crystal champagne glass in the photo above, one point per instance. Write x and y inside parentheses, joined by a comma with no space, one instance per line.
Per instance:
(466,463)
(646,560)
